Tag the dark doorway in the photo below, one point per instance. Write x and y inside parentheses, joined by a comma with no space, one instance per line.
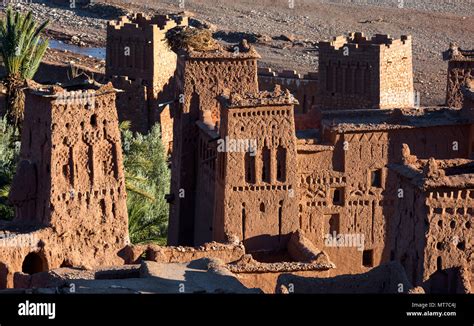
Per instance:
(33,263)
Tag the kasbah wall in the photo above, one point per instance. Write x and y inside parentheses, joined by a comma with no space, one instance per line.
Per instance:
(324,168)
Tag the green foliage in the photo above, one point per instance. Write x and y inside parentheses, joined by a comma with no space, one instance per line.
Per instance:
(9,151)
(21,49)
(147,180)
(21,46)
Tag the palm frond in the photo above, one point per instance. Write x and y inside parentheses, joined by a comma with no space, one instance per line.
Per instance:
(21,50)
(125,125)
(132,188)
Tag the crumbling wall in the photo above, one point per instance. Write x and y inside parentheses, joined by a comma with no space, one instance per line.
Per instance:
(136,48)
(460,71)
(387,278)
(226,252)
(302,249)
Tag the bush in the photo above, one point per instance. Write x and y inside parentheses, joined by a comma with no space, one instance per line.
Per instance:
(9,151)
(148,181)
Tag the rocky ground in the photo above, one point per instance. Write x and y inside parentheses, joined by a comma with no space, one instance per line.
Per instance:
(285,32)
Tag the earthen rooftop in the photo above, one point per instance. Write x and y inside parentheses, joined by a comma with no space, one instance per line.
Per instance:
(433,174)
(225,52)
(368,120)
(262,98)
(75,85)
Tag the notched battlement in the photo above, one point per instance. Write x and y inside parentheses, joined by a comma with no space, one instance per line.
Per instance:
(143,22)
(455,53)
(357,40)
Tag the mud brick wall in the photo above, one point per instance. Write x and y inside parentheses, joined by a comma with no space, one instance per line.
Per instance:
(459,71)
(202,78)
(437,234)
(132,103)
(254,195)
(360,73)
(205,185)
(225,252)
(69,183)
(137,50)
(303,88)
(335,190)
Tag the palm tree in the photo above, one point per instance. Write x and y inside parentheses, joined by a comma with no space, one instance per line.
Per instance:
(147,181)
(21,49)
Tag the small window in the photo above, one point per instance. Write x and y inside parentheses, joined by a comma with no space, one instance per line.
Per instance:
(338,196)
(368,258)
(262,207)
(333,223)
(93,120)
(376,178)
(249,168)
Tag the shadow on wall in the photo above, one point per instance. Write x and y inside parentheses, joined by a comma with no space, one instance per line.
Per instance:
(387,278)
(446,281)
(3,275)
(266,242)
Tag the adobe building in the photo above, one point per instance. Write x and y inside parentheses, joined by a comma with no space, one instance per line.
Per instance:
(69,190)
(255,186)
(140,62)
(460,70)
(202,77)
(356,72)
(434,220)
(332,179)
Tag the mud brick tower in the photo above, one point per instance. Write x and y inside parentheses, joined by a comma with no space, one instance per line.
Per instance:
(460,70)
(140,63)
(256,187)
(360,73)
(436,215)
(71,143)
(69,189)
(202,77)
